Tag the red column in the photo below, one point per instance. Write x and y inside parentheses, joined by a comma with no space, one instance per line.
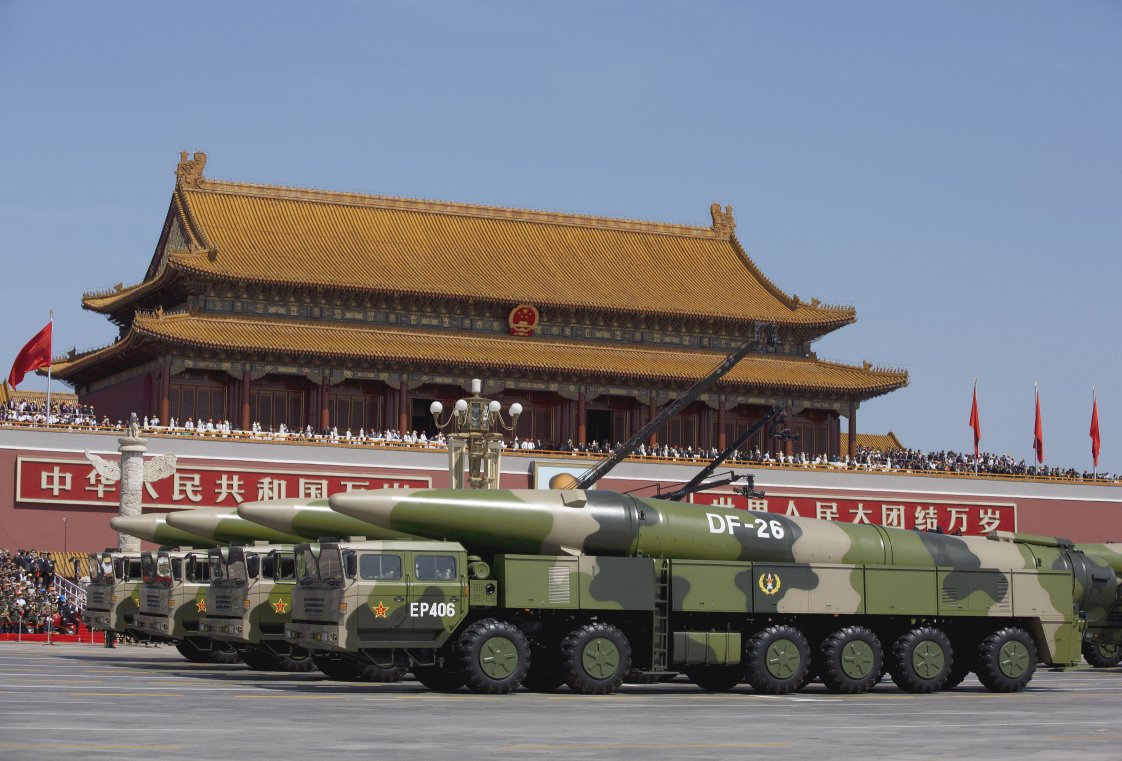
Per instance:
(403,408)
(324,403)
(852,430)
(582,419)
(652,410)
(165,392)
(722,439)
(245,400)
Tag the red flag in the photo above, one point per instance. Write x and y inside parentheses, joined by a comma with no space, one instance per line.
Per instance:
(1038,435)
(975,422)
(1095,430)
(36,354)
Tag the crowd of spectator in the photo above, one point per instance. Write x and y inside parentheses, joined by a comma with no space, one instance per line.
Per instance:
(33,412)
(29,600)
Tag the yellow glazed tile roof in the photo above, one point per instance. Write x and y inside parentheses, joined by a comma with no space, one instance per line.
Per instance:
(260,233)
(387,345)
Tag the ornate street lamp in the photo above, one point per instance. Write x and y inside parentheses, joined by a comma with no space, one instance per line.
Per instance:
(477,424)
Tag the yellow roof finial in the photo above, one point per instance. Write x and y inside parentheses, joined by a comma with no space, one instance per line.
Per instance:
(189,173)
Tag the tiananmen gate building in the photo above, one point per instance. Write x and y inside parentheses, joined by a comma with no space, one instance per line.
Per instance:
(318,308)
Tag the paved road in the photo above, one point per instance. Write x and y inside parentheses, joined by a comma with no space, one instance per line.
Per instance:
(149,703)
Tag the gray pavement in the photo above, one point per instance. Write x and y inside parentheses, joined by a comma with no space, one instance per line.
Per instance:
(138,702)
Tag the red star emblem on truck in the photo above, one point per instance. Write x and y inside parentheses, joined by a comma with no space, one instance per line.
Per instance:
(280,606)
(381,610)
(201,606)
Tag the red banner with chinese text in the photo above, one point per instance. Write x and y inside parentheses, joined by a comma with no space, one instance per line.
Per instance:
(968,518)
(57,481)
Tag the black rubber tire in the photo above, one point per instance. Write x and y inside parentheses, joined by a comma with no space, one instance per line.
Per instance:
(1006,660)
(260,660)
(296,663)
(850,660)
(777,660)
(921,660)
(493,656)
(223,652)
(438,679)
(191,652)
(595,659)
(339,668)
(372,673)
(1102,655)
(716,678)
(960,669)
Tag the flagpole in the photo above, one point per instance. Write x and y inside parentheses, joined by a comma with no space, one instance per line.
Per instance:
(1094,460)
(975,432)
(49,363)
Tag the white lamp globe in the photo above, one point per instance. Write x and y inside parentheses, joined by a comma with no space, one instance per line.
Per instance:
(516,409)
(461,405)
(436,408)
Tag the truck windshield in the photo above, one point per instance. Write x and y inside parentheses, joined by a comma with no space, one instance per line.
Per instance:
(235,566)
(217,564)
(307,569)
(101,568)
(331,565)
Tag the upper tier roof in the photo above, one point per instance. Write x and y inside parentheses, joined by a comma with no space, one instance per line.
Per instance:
(271,234)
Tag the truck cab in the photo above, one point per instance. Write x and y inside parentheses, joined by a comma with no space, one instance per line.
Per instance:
(374,601)
(113,594)
(249,601)
(172,601)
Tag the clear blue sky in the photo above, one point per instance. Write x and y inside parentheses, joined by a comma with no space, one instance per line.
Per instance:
(951,169)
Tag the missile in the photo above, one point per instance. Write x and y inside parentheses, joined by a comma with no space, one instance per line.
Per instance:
(550,522)
(155,528)
(222,524)
(312,519)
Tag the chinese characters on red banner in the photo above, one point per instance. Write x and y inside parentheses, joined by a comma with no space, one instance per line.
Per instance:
(75,482)
(969,518)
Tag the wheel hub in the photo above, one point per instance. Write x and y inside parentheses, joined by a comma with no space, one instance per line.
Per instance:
(783,658)
(498,657)
(600,658)
(928,659)
(857,660)
(1013,659)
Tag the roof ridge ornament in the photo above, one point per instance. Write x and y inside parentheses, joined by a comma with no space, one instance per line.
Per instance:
(723,222)
(189,173)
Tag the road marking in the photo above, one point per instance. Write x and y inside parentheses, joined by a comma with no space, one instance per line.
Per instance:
(638,746)
(83,746)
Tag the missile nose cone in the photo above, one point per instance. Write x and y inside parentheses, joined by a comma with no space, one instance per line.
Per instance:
(203,521)
(277,514)
(136,525)
(372,506)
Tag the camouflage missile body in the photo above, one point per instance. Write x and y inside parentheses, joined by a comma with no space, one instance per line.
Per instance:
(155,528)
(763,579)
(113,594)
(223,525)
(311,519)
(249,601)
(172,602)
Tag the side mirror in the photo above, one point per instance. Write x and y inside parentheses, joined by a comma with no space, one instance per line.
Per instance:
(350,564)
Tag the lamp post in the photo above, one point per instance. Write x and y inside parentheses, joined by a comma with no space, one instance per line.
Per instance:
(476,427)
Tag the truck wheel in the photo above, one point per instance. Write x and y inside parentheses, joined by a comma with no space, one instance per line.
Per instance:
(295,664)
(223,652)
(921,660)
(1102,655)
(337,667)
(595,658)
(960,669)
(778,660)
(259,660)
(850,660)
(1006,660)
(192,652)
(438,679)
(716,678)
(494,656)
(372,673)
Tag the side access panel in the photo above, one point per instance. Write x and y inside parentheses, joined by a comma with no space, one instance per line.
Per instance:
(710,586)
(537,581)
(901,591)
(611,583)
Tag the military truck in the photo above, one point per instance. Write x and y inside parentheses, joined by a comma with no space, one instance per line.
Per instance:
(172,601)
(248,602)
(592,588)
(112,595)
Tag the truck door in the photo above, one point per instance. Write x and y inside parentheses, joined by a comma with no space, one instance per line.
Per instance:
(385,607)
(437,584)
